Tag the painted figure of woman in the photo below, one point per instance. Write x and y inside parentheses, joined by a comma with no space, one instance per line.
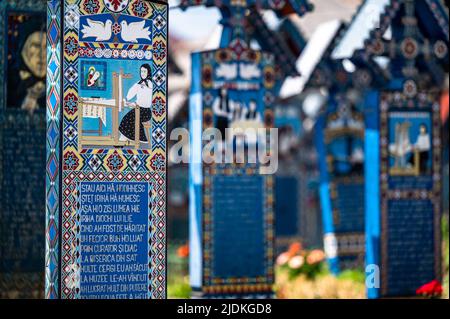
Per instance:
(221,110)
(423,146)
(142,92)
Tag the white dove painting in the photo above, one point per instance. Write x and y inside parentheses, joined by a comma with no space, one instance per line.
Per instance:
(227,70)
(133,31)
(99,30)
(248,71)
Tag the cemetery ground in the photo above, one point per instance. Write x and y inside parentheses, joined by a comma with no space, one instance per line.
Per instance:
(295,279)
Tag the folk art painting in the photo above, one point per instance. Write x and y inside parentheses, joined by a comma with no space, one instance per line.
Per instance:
(111,155)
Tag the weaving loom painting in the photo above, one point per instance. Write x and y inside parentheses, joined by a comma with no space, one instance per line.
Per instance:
(410,143)
(113,165)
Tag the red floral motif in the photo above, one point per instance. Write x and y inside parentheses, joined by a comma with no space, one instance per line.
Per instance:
(269,77)
(223,55)
(71,46)
(207,75)
(431,289)
(158,106)
(116,5)
(114,162)
(71,103)
(159,50)
(116,28)
(140,8)
(70,161)
(238,47)
(91,6)
(251,55)
(158,162)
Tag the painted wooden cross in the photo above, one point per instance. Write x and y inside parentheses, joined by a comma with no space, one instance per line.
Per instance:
(402,155)
(114,55)
(234,13)
(407,45)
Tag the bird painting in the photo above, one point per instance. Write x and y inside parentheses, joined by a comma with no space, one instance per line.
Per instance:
(228,71)
(133,31)
(248,71)
(99,30)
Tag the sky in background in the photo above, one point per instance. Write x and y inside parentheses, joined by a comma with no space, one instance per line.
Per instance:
(198,23)
(194,23)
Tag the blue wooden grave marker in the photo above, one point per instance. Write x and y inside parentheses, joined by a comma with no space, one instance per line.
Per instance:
(106,149)
(22,148)
(339,132)
(341,148)
(231,208)
(403,172)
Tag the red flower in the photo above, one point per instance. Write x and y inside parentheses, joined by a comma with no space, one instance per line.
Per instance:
(183,251)
(294,249)
(431,289)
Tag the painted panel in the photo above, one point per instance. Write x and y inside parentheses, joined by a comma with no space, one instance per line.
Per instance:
(111,108)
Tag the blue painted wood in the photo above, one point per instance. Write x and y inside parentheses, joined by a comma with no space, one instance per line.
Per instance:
(22,154)
(238,203)
(195,177)
(287,206)
(330,241)
(130,173)
(372,189)
(231,209)
(417,53)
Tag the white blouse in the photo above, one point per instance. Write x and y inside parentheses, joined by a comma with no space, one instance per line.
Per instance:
(143,94)
(423,143)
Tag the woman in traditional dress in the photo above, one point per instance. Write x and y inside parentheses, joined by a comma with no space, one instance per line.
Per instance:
(221,109)
(423,146)
(142,92)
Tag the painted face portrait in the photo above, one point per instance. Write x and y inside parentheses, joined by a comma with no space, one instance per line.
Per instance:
(144,73)
(34,54)
(423,129)
(27,62)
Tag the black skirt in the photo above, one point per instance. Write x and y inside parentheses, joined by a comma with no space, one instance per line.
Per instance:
(127,126)
(221,125)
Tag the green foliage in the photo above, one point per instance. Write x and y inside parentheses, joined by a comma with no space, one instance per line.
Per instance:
(310,271)
(179,288)
(353,275)
(178,279)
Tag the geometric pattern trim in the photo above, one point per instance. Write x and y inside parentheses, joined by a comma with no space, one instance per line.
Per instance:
(53,169)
